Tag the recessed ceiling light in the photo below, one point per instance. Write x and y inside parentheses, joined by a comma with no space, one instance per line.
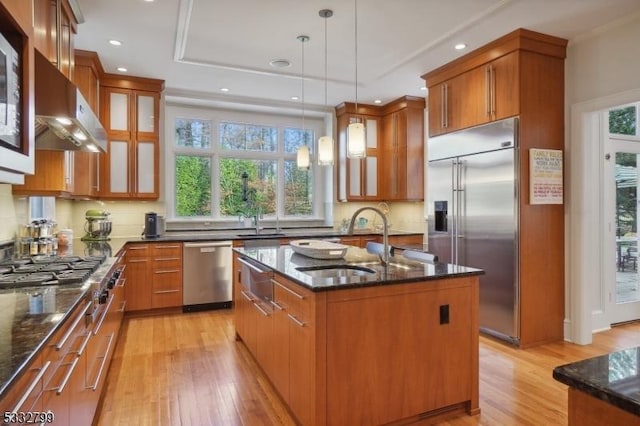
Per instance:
(280,63)
(460,46)
(224,89)
(377,101)
(294,98)
(122,69)
(115,42)
(149,1)
(423,88)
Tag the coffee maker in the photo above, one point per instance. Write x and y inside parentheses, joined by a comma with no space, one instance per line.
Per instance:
(153,225)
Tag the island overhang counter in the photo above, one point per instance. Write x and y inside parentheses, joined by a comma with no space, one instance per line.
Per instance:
(398,342)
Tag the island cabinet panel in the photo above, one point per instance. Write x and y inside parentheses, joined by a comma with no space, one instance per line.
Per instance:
(370,355)
(430,357)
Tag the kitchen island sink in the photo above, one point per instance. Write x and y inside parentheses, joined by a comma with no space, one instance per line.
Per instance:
(335,270)
(357,341)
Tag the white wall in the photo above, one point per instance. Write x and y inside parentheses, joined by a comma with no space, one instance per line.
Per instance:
(602,70)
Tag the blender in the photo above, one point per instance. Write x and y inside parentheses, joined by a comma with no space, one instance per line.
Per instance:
(97,225)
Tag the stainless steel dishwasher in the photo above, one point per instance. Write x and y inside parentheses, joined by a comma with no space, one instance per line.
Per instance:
(207,275)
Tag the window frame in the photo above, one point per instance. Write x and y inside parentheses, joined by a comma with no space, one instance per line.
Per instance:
(215,153)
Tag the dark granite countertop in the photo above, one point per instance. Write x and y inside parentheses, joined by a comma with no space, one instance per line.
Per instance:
(613,378)
(284,260)
(247,234)
(29,316)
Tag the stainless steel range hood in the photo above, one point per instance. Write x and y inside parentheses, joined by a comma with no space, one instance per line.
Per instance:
(64,120)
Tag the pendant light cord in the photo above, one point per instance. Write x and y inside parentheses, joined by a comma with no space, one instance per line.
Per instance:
(356,48)
(325,60)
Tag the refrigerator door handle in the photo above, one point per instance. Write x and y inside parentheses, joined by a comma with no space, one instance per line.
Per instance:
(453,211)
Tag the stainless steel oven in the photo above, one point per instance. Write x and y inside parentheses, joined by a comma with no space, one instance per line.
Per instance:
(9,94)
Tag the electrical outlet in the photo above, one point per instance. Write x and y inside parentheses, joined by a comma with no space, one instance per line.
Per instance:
(444,314)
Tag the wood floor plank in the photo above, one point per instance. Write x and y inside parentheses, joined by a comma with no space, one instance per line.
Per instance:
(188,369)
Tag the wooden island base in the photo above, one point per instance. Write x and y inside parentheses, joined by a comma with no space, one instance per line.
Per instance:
(585,410)
(384,354)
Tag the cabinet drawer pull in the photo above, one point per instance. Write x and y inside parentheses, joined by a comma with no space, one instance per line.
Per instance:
(492,77)
(167,271)
(65,380)
(259,308)
(102,364)
(277,305)
(84,344)
(296,320)
(31,387)
(104,315)
(138,248)
(69,332)
(137,260)
(246,296)
(165,291)
(121,282)
(124,305)
(487,90)
(166,259)
(299,296)
(167,247)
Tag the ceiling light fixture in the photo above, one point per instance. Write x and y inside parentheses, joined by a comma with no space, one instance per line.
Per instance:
(325,143)
(224,89)
(115,42)
(460,46)
(377,101)
(280,63)
(122,69)
(356,139)
(303,161)
(295,98)
(423,88)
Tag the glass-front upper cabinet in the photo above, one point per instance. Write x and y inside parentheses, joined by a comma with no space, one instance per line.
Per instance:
(131,165)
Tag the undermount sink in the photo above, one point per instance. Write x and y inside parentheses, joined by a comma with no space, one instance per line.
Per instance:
(335,271)
(262,235)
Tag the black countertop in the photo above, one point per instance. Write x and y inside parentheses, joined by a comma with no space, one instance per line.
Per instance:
(613,378)
(284,260)
(29,316)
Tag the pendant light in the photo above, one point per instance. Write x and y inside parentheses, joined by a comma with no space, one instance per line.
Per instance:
(303,159)
(356,139)
(325,143)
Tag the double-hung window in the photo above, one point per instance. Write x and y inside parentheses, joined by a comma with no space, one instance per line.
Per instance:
(222,165)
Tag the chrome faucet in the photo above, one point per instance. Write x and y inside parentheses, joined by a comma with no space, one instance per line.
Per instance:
(385,230)
(256,221)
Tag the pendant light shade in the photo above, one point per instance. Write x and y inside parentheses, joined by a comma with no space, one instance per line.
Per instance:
(325,151)
(325,143)
(356,134)
(356,141)
(303,160)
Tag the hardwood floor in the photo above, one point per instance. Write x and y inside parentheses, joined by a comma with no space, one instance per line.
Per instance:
(187,369)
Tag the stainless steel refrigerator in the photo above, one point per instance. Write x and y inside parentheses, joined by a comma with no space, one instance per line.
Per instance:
(472,215)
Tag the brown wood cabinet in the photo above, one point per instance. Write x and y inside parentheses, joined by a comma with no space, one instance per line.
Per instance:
(130,112)
(154,276)
(86,165)
(54,28)
(402,176)
(520,74)
(54,175)
(358,178)
(166,264)
(321,349)
(393,169)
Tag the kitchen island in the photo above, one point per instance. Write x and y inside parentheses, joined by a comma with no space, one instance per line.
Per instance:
(352,341)
(603,389)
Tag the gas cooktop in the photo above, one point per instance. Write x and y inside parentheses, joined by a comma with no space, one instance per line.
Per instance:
(47,270)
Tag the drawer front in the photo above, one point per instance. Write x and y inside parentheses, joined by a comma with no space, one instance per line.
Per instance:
(294,299)
(166,298)
(166,250)
(137,250)
(167,262)
(170,279)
